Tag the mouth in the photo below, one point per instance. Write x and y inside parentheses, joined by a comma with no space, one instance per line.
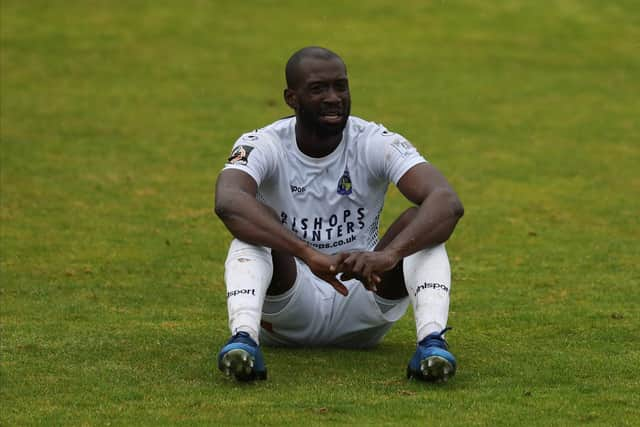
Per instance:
(332,117)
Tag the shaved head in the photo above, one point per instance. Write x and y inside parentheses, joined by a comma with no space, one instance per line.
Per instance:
(318,91)
(292,70)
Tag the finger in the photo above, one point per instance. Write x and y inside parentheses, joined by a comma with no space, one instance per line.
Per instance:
(358,267)
(371,284)
(336,261)
(368,271)
(372,276)
(341,256)
(339,287)
(351,258)
(346,276)
(357,264)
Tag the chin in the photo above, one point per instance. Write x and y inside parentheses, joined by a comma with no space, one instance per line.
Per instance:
(313,122)
(330,130)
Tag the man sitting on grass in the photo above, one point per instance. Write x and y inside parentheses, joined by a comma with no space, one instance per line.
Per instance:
(303,197)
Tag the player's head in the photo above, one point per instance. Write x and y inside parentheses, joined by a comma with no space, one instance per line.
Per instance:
(318,90)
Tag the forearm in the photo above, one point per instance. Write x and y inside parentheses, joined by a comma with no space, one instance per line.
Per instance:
(253,222)
(434,222)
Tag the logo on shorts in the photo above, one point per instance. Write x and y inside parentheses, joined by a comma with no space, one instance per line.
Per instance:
(344,185)
(434,286)
(240,155)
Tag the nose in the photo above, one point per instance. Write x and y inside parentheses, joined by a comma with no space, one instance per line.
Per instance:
(332,96)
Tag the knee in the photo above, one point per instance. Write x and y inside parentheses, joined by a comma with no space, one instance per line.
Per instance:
(241,251)
(433,260)
(437,252)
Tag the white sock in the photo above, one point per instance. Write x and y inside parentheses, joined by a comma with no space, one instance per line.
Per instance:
(428,278)
(248,272)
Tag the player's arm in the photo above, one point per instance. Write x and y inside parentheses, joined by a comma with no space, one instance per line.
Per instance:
(438,212)
(248,219)
(253,222)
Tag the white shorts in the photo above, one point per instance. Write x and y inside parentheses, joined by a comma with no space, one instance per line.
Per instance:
(317,315)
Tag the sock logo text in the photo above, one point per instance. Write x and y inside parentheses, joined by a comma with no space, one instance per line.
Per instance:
(434,286)
(241,292)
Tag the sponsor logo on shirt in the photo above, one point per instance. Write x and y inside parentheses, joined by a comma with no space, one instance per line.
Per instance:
(296,189)
(322,232)
(240,155)
(344,184)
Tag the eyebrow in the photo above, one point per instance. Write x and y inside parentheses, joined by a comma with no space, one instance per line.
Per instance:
(341,79)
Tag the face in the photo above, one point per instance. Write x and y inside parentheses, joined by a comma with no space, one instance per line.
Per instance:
(321,100)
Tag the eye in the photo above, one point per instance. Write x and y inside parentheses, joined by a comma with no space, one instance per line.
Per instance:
(317,88)
(342,86)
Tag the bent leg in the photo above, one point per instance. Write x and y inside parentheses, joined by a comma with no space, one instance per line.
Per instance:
(284,273)
(248,273)
(251,273)
(427,276)
(428,279)
(392,286)
(284,268)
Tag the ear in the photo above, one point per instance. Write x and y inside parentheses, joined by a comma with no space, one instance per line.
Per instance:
(291,99)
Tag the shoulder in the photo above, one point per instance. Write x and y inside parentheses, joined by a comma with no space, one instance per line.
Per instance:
(267,139)
(272,133)
(361,127)
(370,129)
(374,134)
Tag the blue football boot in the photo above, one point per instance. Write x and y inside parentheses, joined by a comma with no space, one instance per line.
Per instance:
(242,358)
(432,360)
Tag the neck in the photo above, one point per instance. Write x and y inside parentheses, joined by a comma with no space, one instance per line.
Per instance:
(314,145)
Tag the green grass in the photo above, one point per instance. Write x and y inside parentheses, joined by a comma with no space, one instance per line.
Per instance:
(117,116)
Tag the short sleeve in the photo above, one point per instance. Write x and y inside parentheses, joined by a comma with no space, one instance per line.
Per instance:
(391,155)
(254,154)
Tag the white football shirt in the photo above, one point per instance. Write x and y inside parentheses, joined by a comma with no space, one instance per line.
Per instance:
(334,202)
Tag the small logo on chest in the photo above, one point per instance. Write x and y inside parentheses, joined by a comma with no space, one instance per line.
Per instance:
(296,189)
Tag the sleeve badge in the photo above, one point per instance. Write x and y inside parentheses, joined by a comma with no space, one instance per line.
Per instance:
(240,155)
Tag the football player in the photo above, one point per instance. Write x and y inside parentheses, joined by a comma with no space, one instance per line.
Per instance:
(302,198)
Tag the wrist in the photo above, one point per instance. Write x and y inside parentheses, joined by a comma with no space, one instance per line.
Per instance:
(305,252)
(394,254)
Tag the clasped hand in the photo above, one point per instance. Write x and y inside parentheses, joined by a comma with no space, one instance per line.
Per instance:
(367,267)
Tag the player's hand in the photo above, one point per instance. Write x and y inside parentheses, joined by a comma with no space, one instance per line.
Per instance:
(326,267)
(367,267)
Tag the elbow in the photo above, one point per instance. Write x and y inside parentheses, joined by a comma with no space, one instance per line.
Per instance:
(457,208)
(223,209)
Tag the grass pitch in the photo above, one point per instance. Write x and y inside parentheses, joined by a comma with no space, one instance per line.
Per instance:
(117,116)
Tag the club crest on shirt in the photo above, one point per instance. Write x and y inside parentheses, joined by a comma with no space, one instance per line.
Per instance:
(344,184)
(240,155)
